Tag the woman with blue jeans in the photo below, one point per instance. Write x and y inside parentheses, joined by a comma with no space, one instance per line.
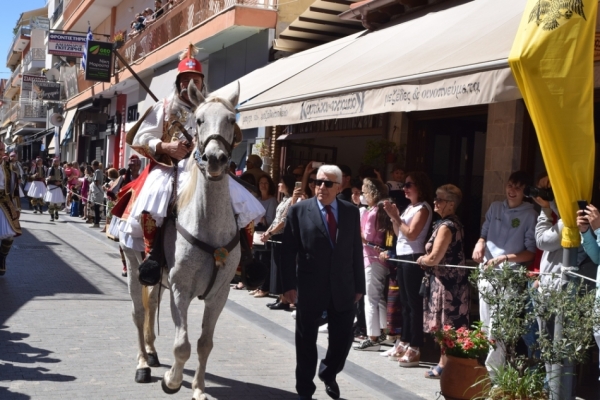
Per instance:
(411,228)
(586,219)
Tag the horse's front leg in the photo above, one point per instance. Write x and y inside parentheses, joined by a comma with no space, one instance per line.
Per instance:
(173,378)
(212,310)
(139,297)
(155,294)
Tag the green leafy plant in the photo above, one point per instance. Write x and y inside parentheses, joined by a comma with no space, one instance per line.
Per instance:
(514,304)
(119,36)
(377,150)
(521,383)
(263,148)
(463,342)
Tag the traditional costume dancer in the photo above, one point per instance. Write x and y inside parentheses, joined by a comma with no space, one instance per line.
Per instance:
(157,137)
(54,194)
(9,215)
(37,189)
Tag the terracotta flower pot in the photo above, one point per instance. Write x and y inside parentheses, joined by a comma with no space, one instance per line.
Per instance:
(459,378)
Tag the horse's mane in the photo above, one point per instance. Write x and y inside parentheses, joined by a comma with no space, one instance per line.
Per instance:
(187,193)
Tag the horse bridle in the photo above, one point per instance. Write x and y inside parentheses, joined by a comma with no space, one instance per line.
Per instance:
(200,155)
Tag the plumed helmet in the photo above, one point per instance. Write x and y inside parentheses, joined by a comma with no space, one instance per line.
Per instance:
(188,61)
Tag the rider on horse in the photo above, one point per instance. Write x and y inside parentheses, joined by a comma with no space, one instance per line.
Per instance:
(158,136)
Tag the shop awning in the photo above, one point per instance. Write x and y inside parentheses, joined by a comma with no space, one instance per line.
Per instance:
(66,131)
(451,55)
(263,79)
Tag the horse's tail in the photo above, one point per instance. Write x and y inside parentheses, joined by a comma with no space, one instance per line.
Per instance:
(146,304)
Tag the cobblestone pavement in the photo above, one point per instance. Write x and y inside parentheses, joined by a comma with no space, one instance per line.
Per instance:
(66,332)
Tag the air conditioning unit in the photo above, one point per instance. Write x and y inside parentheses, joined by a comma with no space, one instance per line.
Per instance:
(90,129)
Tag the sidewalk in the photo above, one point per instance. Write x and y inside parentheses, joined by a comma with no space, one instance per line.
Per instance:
(66,332)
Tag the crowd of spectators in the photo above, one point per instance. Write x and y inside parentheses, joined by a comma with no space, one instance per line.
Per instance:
(410,232)
(148,16)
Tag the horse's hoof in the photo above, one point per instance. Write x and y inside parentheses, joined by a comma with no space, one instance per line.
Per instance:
(143,375)
(167,389)
(153,360)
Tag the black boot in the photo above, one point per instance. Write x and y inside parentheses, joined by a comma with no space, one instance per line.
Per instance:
(5,246)
(150,270)
(56,215)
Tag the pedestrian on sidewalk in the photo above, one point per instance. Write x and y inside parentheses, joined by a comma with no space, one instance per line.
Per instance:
(322,269)
(9,217)
(96,192)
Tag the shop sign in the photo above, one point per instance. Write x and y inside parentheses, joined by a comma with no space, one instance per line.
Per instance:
(481,88)
(66,44)
(46,91)
(28,80)
(98,66)
(69,77)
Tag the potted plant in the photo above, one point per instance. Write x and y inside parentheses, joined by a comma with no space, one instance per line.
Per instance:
(118,40)
(264,151)
(515,302)
(463,376)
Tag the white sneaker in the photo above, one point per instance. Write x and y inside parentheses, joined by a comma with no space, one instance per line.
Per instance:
(323,329)
(294,314)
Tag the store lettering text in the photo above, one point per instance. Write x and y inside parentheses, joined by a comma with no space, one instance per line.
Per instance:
(344,105)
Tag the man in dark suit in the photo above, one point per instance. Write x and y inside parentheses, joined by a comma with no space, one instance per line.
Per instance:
(322,237)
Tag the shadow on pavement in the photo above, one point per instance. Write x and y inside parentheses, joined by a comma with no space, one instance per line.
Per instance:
(14,350)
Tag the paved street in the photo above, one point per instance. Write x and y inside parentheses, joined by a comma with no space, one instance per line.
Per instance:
(66,332)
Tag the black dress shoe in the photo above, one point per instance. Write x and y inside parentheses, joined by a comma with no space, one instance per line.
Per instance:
(280,306)
(332,389)
(305,398)
(272,304)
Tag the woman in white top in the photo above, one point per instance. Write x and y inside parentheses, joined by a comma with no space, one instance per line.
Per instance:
(411,228)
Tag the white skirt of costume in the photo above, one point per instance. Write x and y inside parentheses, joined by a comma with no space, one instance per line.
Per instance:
(37,190)
(156,193)
(6,231)
(113,228)
(21,194)
(54,194)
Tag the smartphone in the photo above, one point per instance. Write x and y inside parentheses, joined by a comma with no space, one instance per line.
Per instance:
(316,164)
(298,185)
(582,204)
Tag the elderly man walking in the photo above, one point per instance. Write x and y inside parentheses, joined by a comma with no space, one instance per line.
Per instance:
(322,236)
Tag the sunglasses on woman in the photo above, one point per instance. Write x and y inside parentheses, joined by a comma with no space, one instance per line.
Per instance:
(408,185)
(328,184)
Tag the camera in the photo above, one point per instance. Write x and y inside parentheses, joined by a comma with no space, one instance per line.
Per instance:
(544,193)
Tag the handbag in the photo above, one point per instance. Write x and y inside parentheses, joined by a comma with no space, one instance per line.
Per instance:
(424,289)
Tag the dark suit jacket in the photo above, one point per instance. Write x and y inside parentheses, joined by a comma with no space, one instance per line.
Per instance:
(323,273)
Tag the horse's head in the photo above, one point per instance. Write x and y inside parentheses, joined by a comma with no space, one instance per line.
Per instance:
(216,131)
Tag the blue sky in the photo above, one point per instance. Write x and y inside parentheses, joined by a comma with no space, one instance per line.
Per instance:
(11,10)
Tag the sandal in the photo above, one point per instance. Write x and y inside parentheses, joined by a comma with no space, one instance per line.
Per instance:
(410,359)
(434,372)
(238,287)
(398,352)
(260,293)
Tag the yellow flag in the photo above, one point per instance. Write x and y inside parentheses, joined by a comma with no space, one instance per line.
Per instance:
(552,59)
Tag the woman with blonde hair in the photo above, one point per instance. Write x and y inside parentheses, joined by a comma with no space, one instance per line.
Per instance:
(448,300)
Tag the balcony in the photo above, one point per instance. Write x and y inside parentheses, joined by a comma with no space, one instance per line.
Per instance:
(34,60)
(58,12)
(20,42)
(183,17)
(31,111)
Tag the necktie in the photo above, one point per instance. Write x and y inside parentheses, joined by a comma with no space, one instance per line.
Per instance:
(331,223)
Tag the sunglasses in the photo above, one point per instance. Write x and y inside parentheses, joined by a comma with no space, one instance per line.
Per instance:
(438,199)
(328,184)
(408,185)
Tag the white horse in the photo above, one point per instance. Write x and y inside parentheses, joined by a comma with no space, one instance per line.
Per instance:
(202,245)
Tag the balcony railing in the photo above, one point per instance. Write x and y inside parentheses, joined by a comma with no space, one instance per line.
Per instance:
(23,31)
(58,11)
(31,109)
(15,75)
(181,18)
(34,54)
